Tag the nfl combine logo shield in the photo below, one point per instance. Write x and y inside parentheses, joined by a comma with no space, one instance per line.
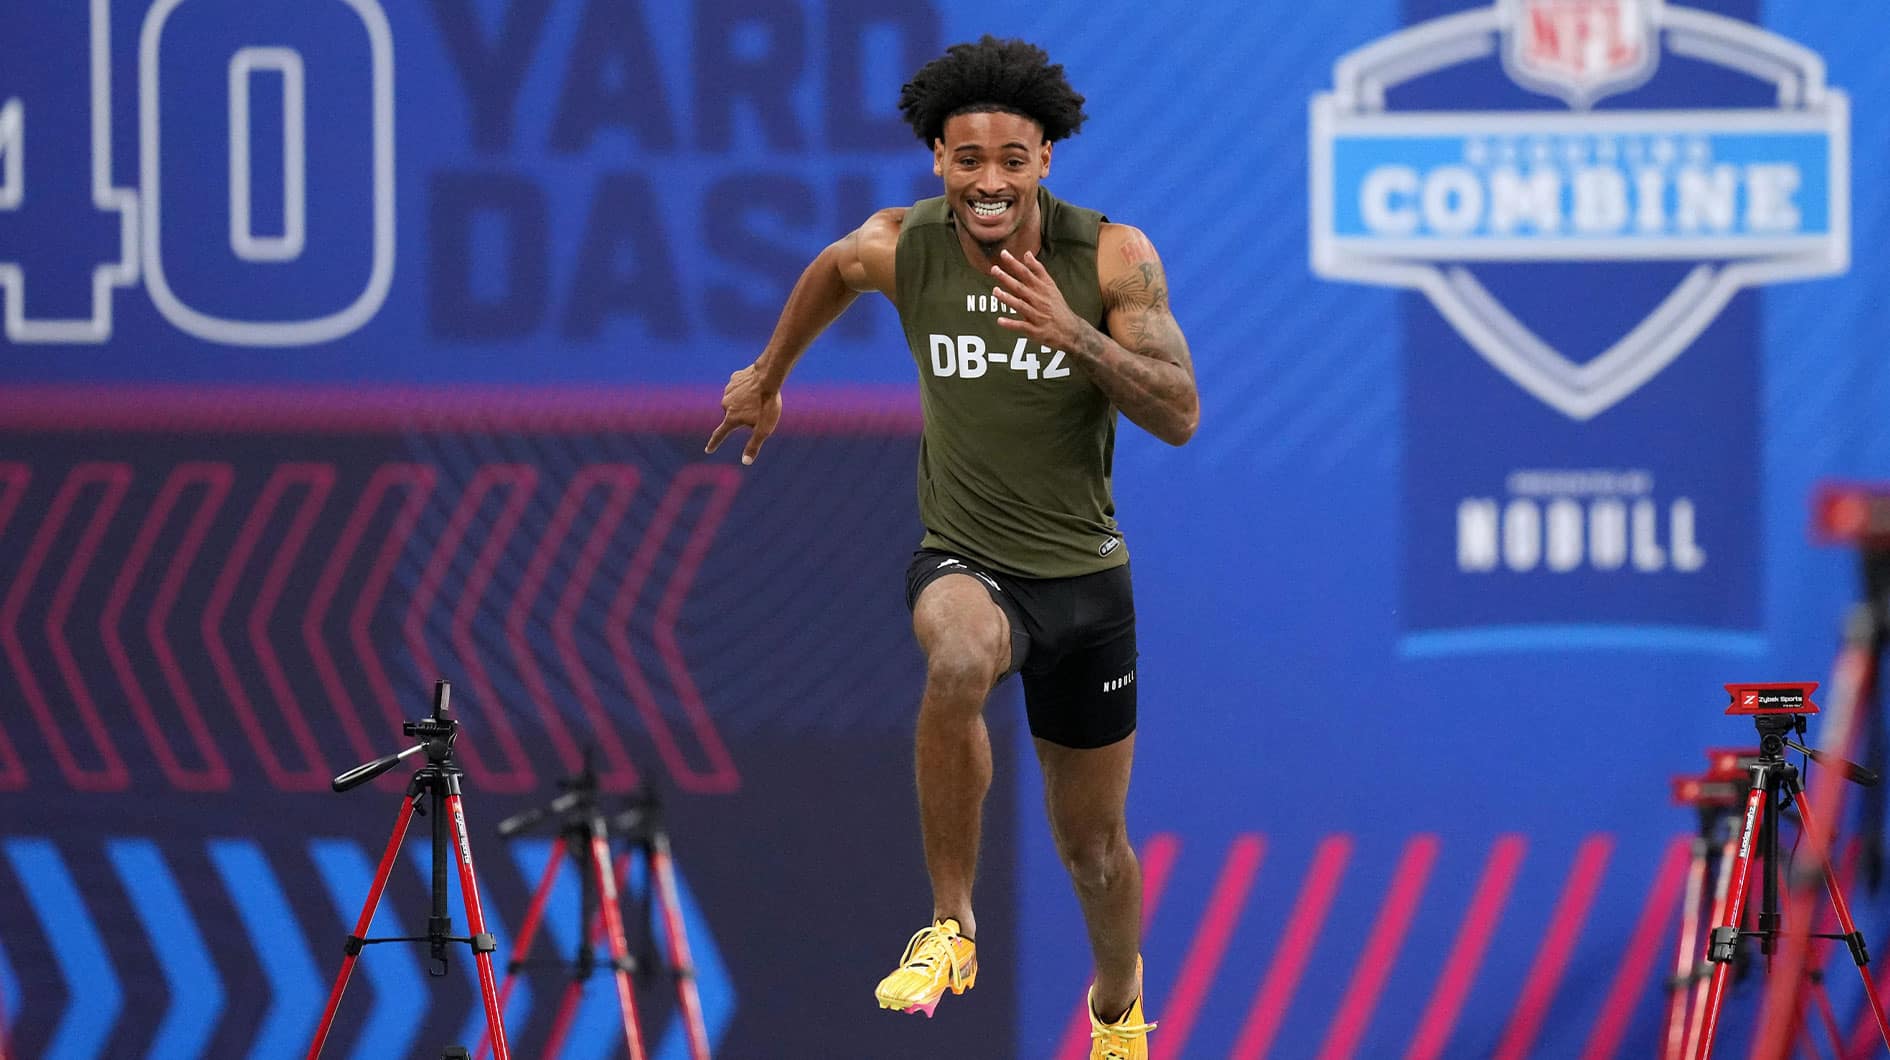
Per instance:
(1580,50)
(1581,192)
(1431,200)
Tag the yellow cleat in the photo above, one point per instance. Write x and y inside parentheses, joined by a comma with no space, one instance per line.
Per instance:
(936,959)
(1125,1039)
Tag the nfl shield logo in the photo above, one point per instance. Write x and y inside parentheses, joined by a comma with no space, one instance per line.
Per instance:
(1441,200)
(1580,50)
(1579,250)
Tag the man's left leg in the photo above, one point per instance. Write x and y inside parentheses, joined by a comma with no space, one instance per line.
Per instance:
(1085,792)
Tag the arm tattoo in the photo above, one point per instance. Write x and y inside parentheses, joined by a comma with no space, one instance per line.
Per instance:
(1143,297)
(1155,386)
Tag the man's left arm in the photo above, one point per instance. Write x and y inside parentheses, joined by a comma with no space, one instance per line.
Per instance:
(1142,363)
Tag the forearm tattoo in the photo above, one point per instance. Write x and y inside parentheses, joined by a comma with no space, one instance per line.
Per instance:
(1155,387)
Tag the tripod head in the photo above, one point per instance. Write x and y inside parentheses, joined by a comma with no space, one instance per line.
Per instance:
(438,730)
(1775,731)
(641,816)
(1779,710)
(578,799)
(436,733)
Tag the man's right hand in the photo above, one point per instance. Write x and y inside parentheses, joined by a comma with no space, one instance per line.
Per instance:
(745,403)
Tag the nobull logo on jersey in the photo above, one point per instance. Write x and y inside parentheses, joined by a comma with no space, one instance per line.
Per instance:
(1587,272)
(988,303)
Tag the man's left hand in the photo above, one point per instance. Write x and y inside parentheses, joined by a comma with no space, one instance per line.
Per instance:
(1042,312)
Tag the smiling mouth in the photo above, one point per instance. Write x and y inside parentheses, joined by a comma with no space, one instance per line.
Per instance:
(988,210)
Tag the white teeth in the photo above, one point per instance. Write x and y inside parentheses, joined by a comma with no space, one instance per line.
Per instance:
(989,209)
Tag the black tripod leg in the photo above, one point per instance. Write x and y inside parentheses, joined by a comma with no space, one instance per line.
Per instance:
(353,947)
(1872,824)
(584,957)
(1875,628)
(439,921)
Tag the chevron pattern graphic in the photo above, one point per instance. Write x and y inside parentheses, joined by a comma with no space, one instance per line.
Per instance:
(281,598)
(159,990)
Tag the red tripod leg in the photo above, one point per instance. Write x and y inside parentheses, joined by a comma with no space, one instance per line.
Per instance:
(1819,994)
(1725,938)
(567,1011)
(476,923)
(619,949)
(1684,961)
(688,1000)
(1843,911)
(593,929)
(1829,1017)
(527,931)
(381,873)
(1722,886)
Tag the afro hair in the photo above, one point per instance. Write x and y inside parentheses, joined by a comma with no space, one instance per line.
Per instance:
(1010,76)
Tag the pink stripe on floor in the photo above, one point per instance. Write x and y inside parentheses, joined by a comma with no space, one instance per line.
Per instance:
(1303,926)
(1643,948)
(1211,939)
(1564,928)
(1381,948)
(1466,955)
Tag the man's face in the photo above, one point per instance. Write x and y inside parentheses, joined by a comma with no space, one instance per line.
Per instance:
(992,163)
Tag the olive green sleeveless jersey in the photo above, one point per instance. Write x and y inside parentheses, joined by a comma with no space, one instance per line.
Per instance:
(1016,454)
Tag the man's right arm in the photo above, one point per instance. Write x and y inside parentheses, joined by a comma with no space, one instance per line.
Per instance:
(860,261)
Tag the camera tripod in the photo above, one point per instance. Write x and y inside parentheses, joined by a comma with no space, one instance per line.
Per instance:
(438,783)
(1773,787)
(1716,795)
(584,838)
(1858,514)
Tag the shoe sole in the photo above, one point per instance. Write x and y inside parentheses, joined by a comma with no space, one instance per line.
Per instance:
(898,1005)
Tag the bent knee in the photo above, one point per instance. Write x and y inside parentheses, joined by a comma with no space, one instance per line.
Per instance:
(1096,858)
(964,664)
(966,637)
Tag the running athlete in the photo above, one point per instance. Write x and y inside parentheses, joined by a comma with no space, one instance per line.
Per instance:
(1033,322)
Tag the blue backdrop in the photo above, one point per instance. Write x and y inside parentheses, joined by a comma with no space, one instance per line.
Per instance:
(349,344)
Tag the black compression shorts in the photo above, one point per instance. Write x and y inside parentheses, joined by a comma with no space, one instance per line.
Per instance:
(1072,639)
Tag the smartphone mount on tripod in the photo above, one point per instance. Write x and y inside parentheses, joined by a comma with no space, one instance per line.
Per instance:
(1779,711)
(434,789)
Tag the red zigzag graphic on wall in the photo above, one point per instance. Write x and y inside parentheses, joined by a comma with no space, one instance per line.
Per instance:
(280,591)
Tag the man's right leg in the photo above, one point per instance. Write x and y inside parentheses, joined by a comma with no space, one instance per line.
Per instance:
(966,639)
